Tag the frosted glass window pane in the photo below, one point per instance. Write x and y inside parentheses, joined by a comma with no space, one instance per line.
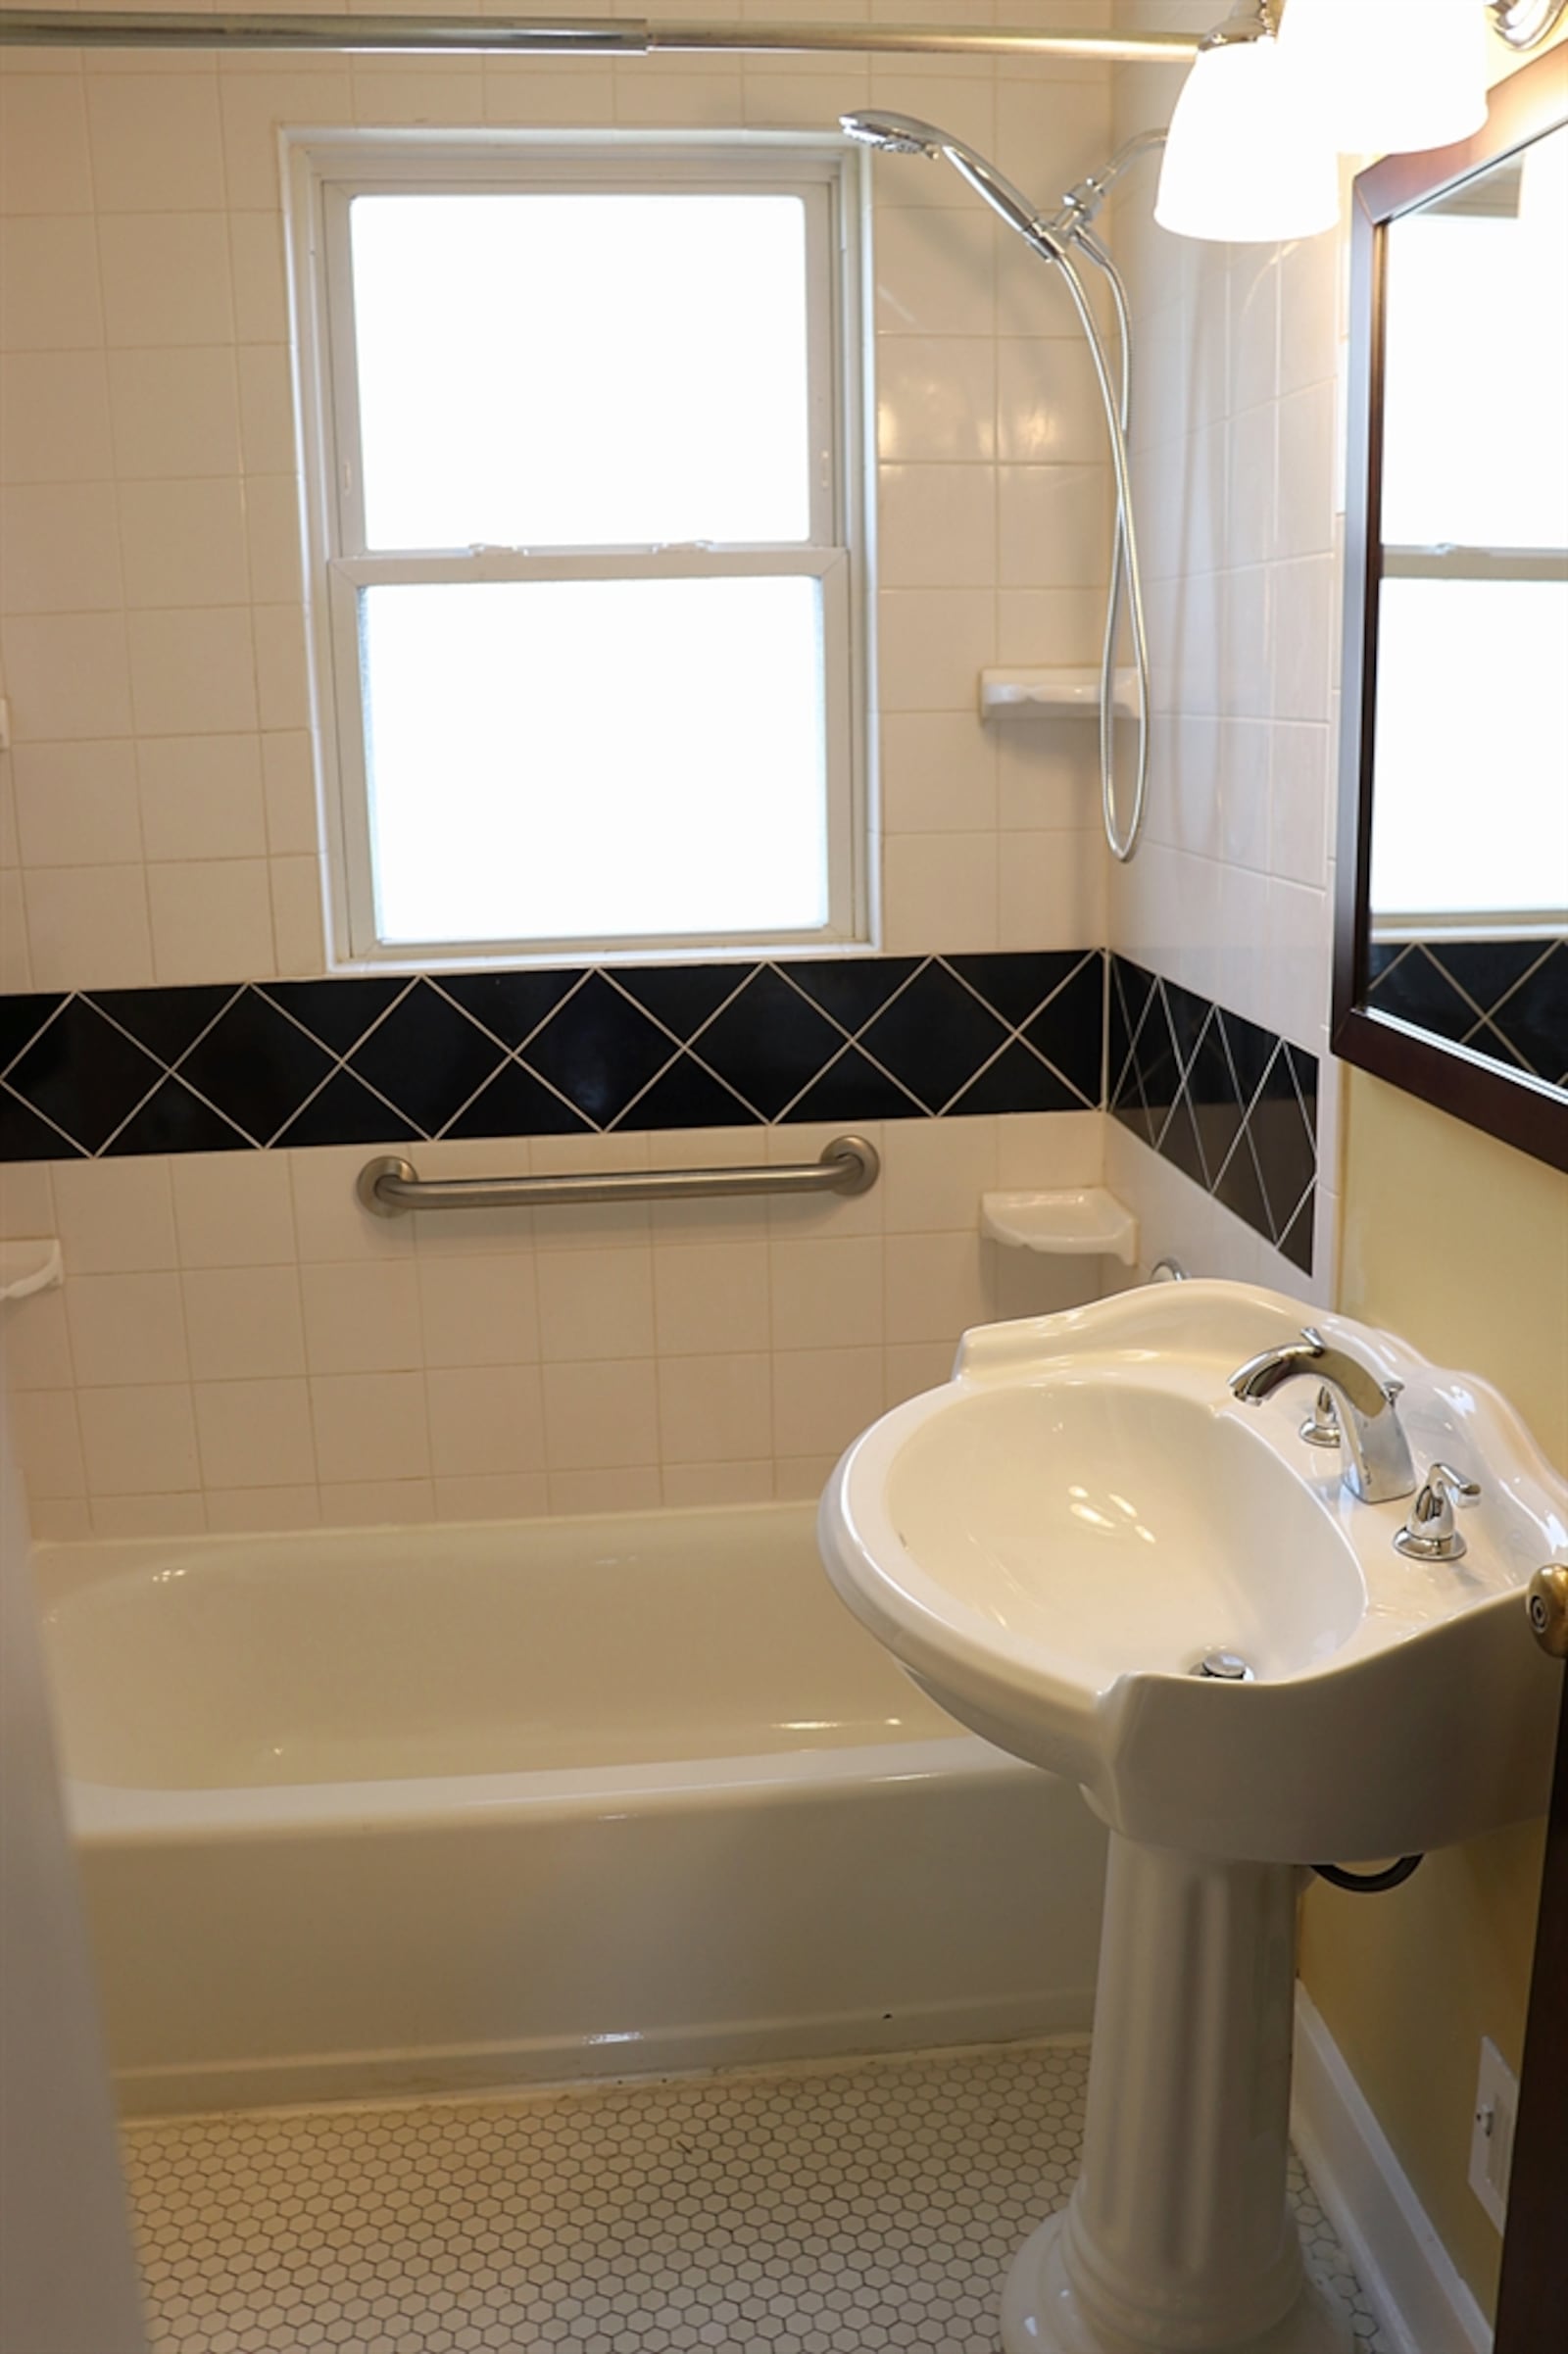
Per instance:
(1472,747)
(596,759)
(1477,370)
(582,371)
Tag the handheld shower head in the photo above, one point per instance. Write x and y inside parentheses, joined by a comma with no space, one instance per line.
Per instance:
(893,135)
(907,134)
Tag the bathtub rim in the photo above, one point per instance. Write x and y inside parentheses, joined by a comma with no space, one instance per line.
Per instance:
(113,1814)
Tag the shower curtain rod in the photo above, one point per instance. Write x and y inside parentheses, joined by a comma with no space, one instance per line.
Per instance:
(542,36)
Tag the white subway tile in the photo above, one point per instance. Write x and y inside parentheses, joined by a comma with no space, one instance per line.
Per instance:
(165,280)
(148,1515)
(371,1426)
(49,1443)
(49,288)
(258,1512)
(935,1286)
(940,892)
(288,782)
(69,676)
(156,145)
(243,1323)
(255,1434)
(939,773)
(936,398)
(595,1304)
(934,272)
(376,1503)
(299,924)
(937,525)
(37,1342)
(826,1294)
(44,164)
(486,1420)
(87,927)
(1052,891)
(193,672)
(59,549)
(600,1417)
(823,1397)
(700,1483)
(934,1173)
(54,418)
(1054,526)
(176,413)
(184,543)
(361,1319)
(610,1490)
(201,797)
(139,1441)
(212,920)
(493,1495)
(714,1409)
(77,804)
(126,1328)
(232,1209)
(710,1298)
(480,1311)
(114,1217)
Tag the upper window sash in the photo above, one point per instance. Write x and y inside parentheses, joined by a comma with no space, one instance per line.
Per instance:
(815,177)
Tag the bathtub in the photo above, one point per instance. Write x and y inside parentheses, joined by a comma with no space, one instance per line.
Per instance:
(385,1811)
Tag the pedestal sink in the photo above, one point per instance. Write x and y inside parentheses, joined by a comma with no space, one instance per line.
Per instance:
(1052,1544)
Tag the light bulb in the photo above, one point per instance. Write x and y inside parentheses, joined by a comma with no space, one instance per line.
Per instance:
(1389,78)
(1246,161)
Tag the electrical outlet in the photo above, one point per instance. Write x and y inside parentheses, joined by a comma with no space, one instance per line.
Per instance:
(1491,2133)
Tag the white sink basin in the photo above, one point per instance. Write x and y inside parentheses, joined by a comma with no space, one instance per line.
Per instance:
(1051,1544)
(1053,1540)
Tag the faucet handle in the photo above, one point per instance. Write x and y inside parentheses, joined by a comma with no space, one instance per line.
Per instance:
(1322,1425)
(1429,1535)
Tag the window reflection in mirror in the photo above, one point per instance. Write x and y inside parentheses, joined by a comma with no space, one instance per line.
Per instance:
(1469,849)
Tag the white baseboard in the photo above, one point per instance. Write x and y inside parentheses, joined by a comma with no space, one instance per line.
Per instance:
(1409,2277)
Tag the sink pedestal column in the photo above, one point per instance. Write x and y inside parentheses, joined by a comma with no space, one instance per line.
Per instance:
(1178,2234)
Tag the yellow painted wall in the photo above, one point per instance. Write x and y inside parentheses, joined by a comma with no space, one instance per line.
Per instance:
(1460,1245)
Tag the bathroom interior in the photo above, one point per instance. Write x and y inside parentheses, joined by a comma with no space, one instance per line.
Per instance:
(524,1190)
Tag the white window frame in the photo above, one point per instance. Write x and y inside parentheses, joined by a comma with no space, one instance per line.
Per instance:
(323,172)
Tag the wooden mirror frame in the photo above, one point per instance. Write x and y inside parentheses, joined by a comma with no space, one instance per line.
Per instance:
(1521,1110)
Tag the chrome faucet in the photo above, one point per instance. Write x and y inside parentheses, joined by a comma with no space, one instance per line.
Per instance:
(1379,1465)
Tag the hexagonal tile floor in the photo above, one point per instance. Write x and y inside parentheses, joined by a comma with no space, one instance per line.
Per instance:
(838,2209)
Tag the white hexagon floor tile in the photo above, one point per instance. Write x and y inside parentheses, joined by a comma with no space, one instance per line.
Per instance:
(866,2208)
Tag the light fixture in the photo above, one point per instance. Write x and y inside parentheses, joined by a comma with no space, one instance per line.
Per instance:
(1248,160)
(1522,23)
(1389,78)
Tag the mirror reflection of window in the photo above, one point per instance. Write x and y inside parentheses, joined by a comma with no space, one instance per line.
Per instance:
(1471,827)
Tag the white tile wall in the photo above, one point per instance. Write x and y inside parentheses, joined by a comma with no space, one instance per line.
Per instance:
(151,636)
(239,1346)
(1237,474)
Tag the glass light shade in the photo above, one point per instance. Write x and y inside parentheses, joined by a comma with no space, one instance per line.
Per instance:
(1246,161)
(1386,78)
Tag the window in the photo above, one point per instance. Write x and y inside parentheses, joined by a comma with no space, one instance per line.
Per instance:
(587,570)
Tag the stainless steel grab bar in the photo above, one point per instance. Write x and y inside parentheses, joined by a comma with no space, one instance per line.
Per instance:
(391,1185)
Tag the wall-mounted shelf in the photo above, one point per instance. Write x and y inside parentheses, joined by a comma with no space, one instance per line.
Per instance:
(1080,1222)
(1051,693)
(31,1266)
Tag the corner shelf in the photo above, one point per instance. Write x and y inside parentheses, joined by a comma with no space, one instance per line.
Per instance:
(31,1266)
(1051,693)
(1080,1222)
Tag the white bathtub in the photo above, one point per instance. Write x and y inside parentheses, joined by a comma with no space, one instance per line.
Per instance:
(374,1811)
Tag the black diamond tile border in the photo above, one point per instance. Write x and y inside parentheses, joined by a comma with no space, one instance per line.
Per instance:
(383,1059)
(1231,1104)
(1504,998)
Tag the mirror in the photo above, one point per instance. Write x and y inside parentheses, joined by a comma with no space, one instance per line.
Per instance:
(1451,960)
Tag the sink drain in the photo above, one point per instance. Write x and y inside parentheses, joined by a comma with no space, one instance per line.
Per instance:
(1224,1667)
